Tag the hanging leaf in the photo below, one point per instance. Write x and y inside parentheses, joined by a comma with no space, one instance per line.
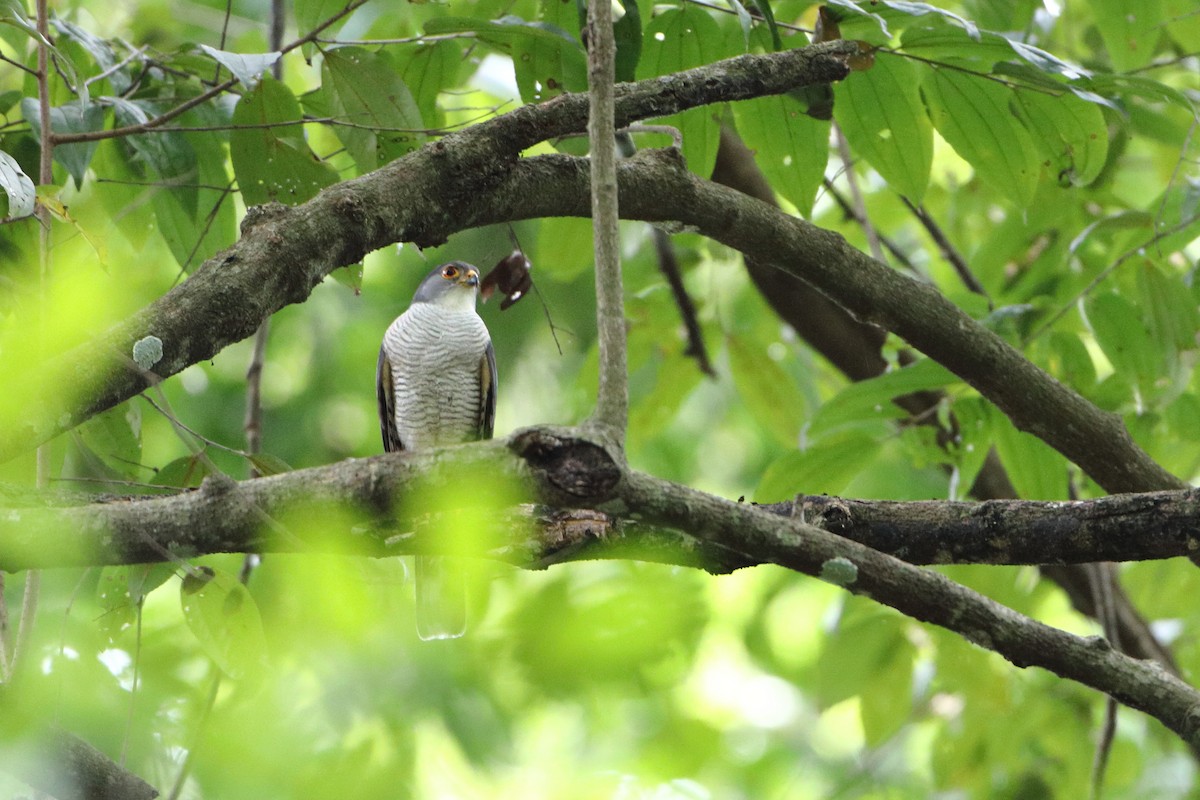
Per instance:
(273,161)
(225,620)
(1130,31)
(973,115)
(1068,132)
(791,148)
(367,93)
(767,390)
(546,59)
(426,69)
(76,117)
(627,35)
(676,40)
(881,113)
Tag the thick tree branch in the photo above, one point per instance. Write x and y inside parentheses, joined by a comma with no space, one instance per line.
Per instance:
(444,187)
(473,177)
(565,469)
(564,472)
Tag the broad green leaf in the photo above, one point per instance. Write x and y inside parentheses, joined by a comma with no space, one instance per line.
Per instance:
(76,117)
(182,473)
(268,464)
(367,93)
(676,40)
(311,13)
(1130,31)
(274,162)
(764,8)
(887,701)
(627,33)
(1123,333)
(246,67)
(18,187)
(866,640)
(168,154)
(872,399)
(1036,470)
(1068,132)
(546,59)
(116,437)
(881,113)
(973,115)
(825,467)
(197,218)
(791,148)
(224,618)
(428,69)
(767,390)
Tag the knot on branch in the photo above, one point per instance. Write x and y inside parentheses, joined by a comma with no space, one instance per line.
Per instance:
(575,466)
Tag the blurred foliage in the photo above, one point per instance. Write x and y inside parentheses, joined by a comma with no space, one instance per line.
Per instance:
(1052,142)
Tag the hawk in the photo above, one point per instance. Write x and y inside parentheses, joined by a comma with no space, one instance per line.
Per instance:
(436,385)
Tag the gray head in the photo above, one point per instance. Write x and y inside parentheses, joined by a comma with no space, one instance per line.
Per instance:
(453,285)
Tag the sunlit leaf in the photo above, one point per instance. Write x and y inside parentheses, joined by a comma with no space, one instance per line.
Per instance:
(973,115)
(881,113)
(1070,133)
(426,71)
(225,620)
(1036,471)
(1130,31)
(872,399)
(767,390)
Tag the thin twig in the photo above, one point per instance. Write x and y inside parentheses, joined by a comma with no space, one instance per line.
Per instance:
(200,99)
(668,264)
(856,195)
(896,250)
(948,250)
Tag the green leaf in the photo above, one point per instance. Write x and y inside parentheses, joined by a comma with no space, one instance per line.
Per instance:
(825,467)
(246,67)
(426,70)
(872,400)
(182,473)
(546,59)
(311,13)
(116,437)
(791,148)
(866,641)
(225,620)
(881,113)
(196,219)
(764,8)
(168,154)
(268,464)
(76,117)
(1130,30)
(973,115)
(767,390)
(1068,132)
(1036,470)
(275,162)
(367,92)
(18,187)
(627,33)
(676,40)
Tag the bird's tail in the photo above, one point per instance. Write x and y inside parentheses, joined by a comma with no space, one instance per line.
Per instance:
(441,598)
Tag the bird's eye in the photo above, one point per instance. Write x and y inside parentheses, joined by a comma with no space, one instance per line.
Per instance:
(450,272)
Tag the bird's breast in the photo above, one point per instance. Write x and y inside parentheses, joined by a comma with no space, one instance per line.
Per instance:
(436,357)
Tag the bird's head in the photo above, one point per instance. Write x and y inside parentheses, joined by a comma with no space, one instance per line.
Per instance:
(452,285)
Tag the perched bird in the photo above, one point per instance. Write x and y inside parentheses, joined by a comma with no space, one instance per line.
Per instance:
(436,385)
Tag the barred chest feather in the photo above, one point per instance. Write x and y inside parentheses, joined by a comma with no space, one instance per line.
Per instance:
(435,355)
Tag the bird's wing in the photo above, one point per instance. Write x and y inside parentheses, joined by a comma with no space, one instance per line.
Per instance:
(487,392)
(385,389)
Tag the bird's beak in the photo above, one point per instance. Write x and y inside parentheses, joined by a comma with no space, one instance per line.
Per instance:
(471,278)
